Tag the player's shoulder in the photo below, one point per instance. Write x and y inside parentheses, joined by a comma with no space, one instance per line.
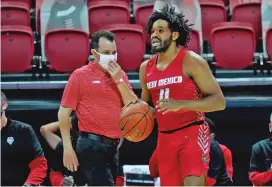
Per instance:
(144,64)
(147,62)
(20,126)
(194,58)
(263,143)
(224,148)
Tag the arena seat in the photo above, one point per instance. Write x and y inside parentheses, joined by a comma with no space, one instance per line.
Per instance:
(128,1)
(29,2)
(213,11)
(131,44)
(195,43)
(107,12)
(266,8)
(233,44)
(67,49)
(269,43)
(249,12)
(142,13)
(15,13)
(17,48)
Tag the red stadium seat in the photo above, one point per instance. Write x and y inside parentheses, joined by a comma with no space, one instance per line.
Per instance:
(66,49)
(17,48)
(269,43)
(107,12)
(29,2)
(194,44)
(249,12)
(213,11)
(128,1)
(131,44)
(233,44)
(15,13)
(142,13)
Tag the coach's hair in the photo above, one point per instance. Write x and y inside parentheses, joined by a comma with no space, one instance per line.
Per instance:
(176,23)
(211,125)
(99,34)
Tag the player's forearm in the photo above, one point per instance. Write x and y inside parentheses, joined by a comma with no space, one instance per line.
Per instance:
(260,179)
(209,104)
(126,94)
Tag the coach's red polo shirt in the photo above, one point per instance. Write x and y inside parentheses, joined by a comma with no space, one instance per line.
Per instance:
(95,97)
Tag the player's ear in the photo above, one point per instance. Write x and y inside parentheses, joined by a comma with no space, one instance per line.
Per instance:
(175,36)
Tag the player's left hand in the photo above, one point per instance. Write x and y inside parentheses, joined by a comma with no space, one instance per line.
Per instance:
(115,71)
(167,105)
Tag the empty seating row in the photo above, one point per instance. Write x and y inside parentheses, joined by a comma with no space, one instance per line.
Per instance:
(213,11)
(68,49)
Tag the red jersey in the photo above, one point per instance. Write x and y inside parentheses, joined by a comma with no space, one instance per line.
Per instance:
(172,83)
(96,99)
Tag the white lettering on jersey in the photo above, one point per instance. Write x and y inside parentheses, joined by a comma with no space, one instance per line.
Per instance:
(164,82)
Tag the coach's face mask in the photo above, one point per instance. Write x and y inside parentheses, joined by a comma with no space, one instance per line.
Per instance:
(104,60)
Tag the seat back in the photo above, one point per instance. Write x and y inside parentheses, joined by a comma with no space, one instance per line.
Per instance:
(233,44)
(251,13)
(212,11)
(62,15)
(142,12)
(130,43)
(269,43)
(28,2)
(128,1)
(17,48)
(266,10)
(107,12)
(15,13)
(67,49)
(194,44)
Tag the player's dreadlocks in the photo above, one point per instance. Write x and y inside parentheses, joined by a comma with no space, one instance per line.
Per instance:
(177,23)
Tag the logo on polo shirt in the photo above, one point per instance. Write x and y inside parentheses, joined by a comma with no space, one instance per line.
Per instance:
(96,82)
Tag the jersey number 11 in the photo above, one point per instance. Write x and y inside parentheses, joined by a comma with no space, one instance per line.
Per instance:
(164,93)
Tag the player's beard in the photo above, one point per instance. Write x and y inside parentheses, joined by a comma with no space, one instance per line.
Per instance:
(162,47)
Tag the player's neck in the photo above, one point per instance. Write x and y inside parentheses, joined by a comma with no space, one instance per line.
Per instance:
(168,55)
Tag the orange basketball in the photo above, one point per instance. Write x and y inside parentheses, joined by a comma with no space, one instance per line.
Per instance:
(137,121)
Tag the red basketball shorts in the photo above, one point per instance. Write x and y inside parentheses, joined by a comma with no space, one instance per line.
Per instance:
(181,154)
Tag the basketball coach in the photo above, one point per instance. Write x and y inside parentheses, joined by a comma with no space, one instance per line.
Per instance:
(96,92)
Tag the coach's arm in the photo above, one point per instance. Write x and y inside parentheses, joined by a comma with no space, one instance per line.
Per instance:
(70,99)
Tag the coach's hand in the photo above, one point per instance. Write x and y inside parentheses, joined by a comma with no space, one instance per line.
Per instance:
(70,159)
(115,71)
(167,105)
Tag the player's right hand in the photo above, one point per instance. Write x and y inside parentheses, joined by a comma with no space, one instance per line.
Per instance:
(70,159)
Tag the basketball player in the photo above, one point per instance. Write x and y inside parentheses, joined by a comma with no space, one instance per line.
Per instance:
(260,172)
(97,92)
(182,88)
